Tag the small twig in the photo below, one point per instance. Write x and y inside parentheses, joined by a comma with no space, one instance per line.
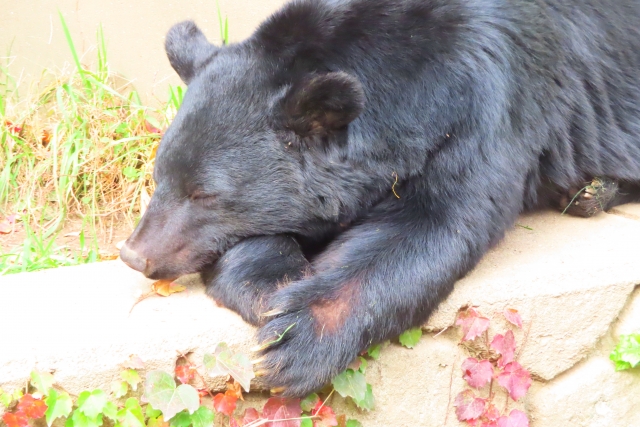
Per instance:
(141,298)
(526,337)
(453,366)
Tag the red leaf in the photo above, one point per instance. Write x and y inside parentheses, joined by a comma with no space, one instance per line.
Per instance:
(250,415)
(134,362)
(278,408)
(473,325)
(515,379)
(31,407)
(506,346)
(515,419)
(468,406)
(477,373)
(489,424)
(512,315)
(185,373)
(225,403)
(15,420)
(326,414)
(492,413)
(234,423)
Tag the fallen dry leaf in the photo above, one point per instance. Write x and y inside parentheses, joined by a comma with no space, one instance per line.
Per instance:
(166,287)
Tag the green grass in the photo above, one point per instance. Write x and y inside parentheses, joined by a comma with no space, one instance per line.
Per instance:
(81,148)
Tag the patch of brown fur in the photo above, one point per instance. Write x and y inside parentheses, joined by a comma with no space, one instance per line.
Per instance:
(330,314)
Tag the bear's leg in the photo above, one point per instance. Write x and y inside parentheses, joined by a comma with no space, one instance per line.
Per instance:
(599,195)
(244,278)
(376,280)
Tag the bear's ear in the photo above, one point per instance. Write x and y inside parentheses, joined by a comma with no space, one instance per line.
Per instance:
(320,103)
(187,49)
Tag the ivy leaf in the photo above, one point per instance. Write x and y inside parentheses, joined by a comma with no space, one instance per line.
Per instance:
(151,412)
(468,406)
(512,315)
(351,383)
(278,408)
(161,392)
(119,389)
(5,398)
(31,407)
(185,373)
(157,422)
(410,338)
(374,351)
(309,402)
(515,419)
(91,403)
(223,362)
(506,346)
(165,288)
(326,414)
(515,379)
(492,413)
(306,422)
(225,403)
(15,420)
(131,377)
(477,373)
(59,405)
(250,415)
(111,411)
(133,362)
(181,419)
(79,419)
(473,325)
(42,381)
(626,355)
(368,402)
(131,414)
(353,423)
(203,417)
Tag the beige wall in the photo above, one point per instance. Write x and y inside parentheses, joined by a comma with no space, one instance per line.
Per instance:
(134,30)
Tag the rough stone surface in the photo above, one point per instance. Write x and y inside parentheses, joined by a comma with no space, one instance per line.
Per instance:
(569,277)
(572,280)
(79,322)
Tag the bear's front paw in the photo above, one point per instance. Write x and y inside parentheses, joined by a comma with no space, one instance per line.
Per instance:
(299,355)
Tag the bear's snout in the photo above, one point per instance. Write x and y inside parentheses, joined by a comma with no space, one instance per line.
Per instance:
(133,259)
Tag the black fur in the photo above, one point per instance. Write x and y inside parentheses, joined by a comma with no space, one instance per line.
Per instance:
(435,124)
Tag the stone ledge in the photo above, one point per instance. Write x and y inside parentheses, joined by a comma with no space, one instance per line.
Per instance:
(570,278)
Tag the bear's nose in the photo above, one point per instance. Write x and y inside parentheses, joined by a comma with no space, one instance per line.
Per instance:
(133,259)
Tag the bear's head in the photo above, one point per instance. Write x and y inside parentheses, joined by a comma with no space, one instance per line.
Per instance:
(258,147)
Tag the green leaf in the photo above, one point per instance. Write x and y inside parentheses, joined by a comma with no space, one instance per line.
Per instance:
(111,411)
(368,402)
(131,377)
(42,381)
(91,403)
(182,419)
(203,417)
(119,389)
(79,419)
(151,412)
(352,384)
(224,362)
(160,391)
(626,355)
(410,337)
(353,423)
(374,351)
(309,402)
(5,398)
(131,414)
(306,422)
(363,365)
(155,421)
(58,405)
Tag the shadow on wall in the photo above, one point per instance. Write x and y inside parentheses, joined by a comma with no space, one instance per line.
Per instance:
(32,38)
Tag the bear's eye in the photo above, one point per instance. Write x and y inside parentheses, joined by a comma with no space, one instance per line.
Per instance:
(203,198)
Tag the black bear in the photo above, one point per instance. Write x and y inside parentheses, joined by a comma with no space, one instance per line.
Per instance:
(333,176)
